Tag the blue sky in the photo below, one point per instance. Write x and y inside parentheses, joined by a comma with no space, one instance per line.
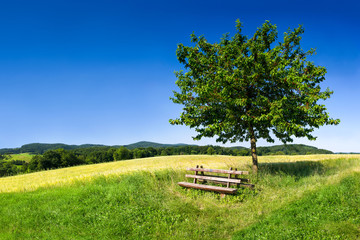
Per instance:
(102,71)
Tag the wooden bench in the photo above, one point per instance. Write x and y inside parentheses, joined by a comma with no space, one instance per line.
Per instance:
(228,180)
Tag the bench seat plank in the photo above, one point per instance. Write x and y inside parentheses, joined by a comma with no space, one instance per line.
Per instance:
(218,171)
(246,185)
(208,187)
(214,178)
(242,179)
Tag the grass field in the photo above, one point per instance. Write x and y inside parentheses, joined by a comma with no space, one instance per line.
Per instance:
(21,156)
(296,197)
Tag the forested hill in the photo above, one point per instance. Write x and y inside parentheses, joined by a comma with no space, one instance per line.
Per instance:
(40,148)
(290,149)
(145,144)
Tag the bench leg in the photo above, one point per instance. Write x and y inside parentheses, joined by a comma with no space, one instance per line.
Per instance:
(196,173)
(228,184)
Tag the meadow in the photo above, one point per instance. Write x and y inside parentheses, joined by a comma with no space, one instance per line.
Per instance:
(20,157)
(296,197)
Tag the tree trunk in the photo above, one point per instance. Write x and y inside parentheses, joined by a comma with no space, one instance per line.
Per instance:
(253,150)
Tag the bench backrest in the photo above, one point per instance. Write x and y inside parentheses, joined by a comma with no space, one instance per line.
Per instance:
(229,179)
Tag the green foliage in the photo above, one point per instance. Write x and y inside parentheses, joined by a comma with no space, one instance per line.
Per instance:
(243,152)
(291,149)
(245,88)
(100,155)
(140,153)
(122,153)
(40,148)
(53,159)
(145,144)
(210,151)
(9,165)
(8,168)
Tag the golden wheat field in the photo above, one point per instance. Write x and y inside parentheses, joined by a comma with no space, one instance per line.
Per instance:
(58,177)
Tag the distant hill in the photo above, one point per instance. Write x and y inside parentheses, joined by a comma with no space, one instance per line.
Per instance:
(240,148)
(289,149)
(145,144)
(40,148)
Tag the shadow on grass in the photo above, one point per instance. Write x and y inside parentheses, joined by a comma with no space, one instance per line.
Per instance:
(297,169)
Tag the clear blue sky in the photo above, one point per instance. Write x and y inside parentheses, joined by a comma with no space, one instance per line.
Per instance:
(102,71)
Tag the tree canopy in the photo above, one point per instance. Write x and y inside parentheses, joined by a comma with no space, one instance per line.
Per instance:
(243,88)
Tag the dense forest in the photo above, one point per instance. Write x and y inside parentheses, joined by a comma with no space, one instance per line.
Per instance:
(52,156)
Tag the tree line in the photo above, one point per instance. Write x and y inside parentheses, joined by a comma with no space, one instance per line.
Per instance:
(60,158)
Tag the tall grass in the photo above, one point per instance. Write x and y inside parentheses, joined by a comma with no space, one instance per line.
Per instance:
(331,212)
(148,204)
(60,177)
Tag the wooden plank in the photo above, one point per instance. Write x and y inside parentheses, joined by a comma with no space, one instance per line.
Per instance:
(214,178)
(242,179)
(222,183)
(208,188)
(238,184)
(218,171)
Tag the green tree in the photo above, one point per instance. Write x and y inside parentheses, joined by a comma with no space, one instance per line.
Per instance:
(151,151)
(210,151)
(138,153)
(244,89)
(69,159)
(34,163)
(164,153)
(52,159)
(243,152)
(121,154)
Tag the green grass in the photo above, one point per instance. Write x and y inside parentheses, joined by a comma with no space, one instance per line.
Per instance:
(292,200)
(21,156)
(332,212)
